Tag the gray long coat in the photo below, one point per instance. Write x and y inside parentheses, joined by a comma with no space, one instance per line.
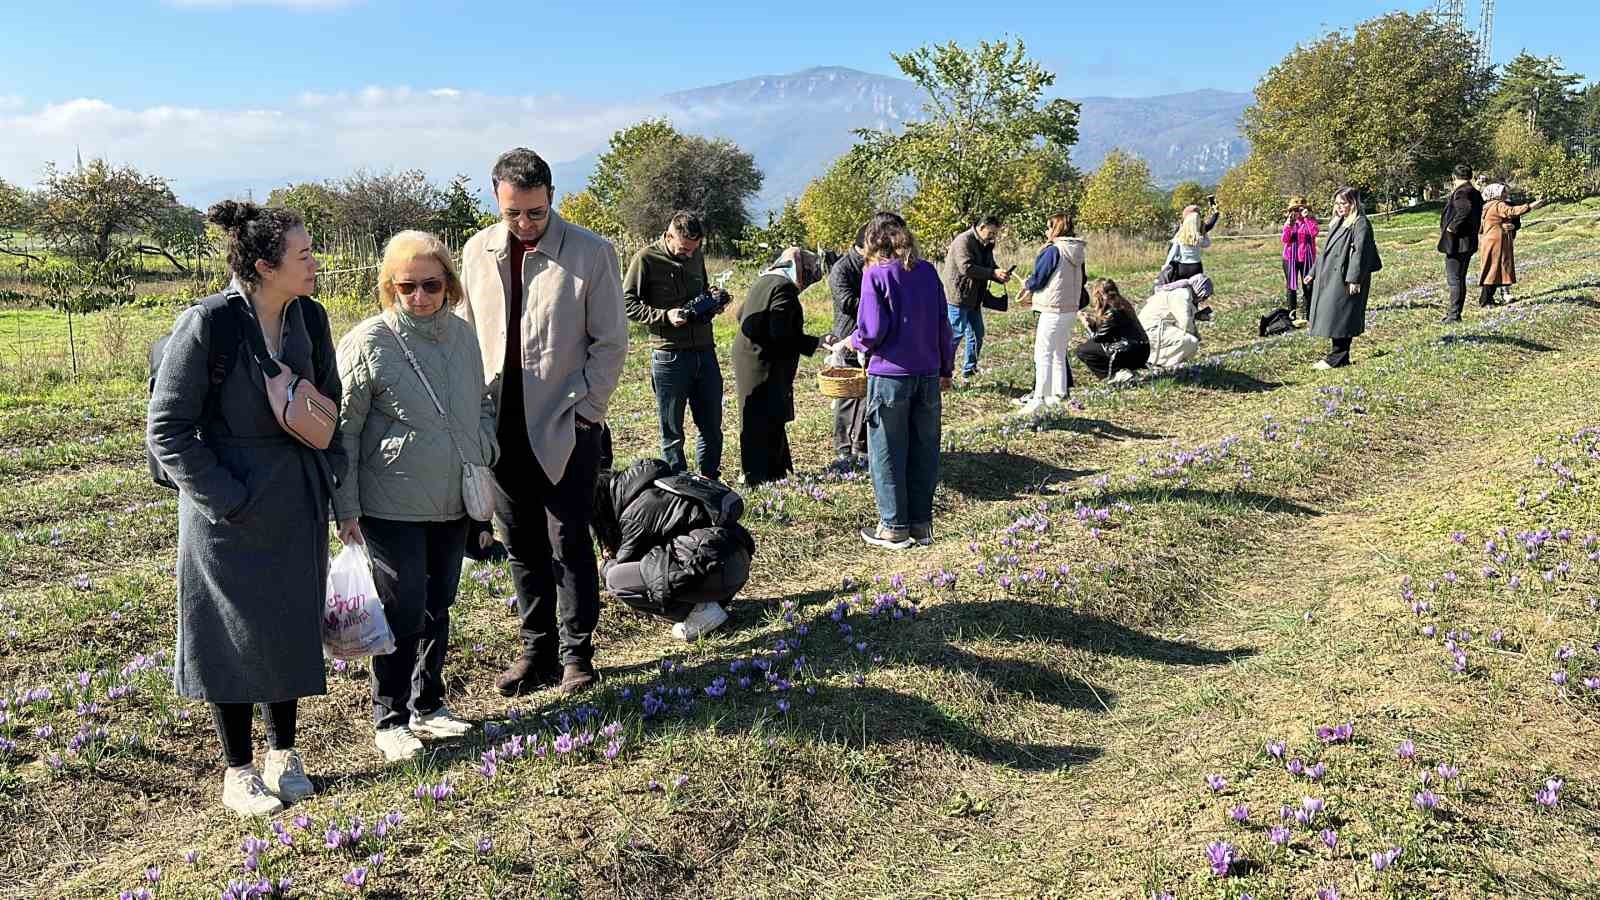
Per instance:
(252,516)
(1350,256)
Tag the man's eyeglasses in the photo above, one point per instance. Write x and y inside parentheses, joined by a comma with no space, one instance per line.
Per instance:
(532,215)
(428,286)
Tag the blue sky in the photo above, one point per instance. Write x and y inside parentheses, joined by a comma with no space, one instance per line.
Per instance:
(298,84)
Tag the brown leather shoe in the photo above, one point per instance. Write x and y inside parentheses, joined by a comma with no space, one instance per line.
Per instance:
(578,677)
(526,676)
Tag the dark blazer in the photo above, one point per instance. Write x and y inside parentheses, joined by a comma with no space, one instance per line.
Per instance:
(767,350)
(1350,256)
(844,282)
(1460,220)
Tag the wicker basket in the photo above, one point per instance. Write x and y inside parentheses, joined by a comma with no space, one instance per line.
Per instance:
(843,382)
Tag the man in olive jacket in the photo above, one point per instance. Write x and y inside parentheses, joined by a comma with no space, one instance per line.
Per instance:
(1458,238)
(662,280)
(969,267)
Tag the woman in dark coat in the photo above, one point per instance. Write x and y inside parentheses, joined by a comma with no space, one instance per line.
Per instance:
(1344,279)
(766,355)
(253,503)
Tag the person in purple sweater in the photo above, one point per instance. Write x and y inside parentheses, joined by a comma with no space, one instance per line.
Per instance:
(903,331)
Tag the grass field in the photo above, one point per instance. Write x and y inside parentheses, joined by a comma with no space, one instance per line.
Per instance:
(1079,691)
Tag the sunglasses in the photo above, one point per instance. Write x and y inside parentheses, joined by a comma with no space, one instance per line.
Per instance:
(428,286)
(532,215)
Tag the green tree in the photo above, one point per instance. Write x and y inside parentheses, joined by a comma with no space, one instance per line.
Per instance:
(1249,192)
(317,204)
(1120,196)
(1189,193)
(837,203)
(382,204)
(1526,157)
(1538,91)
(610,170)
(88,211)
(783,229)
(1587,142)
(16,217)
(460,212)
(985,113)
(584,209)
(1389,106)
(713,178)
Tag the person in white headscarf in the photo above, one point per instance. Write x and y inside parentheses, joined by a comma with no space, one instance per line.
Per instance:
(1496,239)
(766,356)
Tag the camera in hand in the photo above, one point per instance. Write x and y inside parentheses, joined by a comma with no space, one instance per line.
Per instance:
(705,306)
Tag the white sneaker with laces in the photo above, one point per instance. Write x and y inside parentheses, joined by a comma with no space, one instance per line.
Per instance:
(441,723)
(1121,376)
(1028,409)
(703,619)
(285,775)
(245,793)
(1321,364)
(398,744)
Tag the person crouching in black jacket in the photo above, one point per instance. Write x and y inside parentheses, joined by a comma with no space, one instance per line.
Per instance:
(1117,344)
(672,544)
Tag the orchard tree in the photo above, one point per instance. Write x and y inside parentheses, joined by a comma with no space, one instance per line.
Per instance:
(610,170)
(585,210)
(1389,107)
(713,178)
(382,204)
(1526,157)
(16,217)
(461,213)
(1120,196)
(1250,192)
(88,211)
(783,229)
(985,113)
(1189,193)
(317,204)
(837,203)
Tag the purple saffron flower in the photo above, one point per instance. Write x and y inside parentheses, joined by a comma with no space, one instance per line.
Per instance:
(1328,893)
(1547,798)
(191,856)
(1312,805)
(1279,835)
(1558,677)
(1330,838)
(1216,783)
(1240,813)
(679,782)
(1316,772)
(152,874)
(302,822)
(1383,859)
(1220,854)
(357,877)
(563,744)
(485,846)
(1426,800)
(1275,749)
(1448,772)
(1406,751)
(375,860)
(1295,767)
(1429,631)
(1591,683)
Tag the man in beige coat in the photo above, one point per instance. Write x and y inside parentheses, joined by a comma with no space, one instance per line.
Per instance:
(545,298)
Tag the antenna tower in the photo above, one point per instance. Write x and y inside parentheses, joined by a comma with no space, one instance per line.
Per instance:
(1452,12)
(1485,33)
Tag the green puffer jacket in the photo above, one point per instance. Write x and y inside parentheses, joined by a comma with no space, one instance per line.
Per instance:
(406,467)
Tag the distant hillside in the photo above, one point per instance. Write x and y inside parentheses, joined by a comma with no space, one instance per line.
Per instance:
(795,125)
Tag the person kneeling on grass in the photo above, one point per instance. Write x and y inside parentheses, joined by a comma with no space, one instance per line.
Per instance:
(672,544)
(1170,319)
(1117,344)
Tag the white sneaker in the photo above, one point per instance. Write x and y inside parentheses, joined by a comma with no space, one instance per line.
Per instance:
(441,723)
(1028,409)
(285,775)
(398,744)
(1121,376)
(1053,400)
(886,537)
(245,793)
(1022,401)
(703,619)
(1321,364)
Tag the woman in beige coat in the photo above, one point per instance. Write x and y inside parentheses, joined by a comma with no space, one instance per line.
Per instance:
(1497,235)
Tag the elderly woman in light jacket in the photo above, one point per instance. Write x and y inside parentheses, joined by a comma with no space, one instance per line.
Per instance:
(1496,241)
(1170,318)
(415,410)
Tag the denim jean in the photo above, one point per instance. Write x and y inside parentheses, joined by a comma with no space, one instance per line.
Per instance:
(689,378)
(903,426)
(968,323)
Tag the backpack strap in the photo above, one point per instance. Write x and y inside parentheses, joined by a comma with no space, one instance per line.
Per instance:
(223,321)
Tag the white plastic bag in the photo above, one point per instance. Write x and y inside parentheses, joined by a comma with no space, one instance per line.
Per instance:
(353,623)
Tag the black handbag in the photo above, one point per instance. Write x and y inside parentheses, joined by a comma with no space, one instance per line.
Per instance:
(1001,303)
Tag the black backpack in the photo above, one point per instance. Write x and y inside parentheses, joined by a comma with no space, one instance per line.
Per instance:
(722,503)
(1279,321)
(224,340)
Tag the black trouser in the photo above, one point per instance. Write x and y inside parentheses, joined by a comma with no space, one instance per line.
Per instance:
(552,554)
(417,567)
(1455,277)
(1486,298)
(626,580)
(1100,360)
(233,728)
(764,453)
(850,420)
(1340,354)
(1184,271)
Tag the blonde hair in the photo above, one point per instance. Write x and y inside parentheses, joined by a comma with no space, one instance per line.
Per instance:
(1061,225)
(409,245)
(1189,233)
(889,238)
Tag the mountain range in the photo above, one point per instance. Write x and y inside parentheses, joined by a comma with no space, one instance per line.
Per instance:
(796,125)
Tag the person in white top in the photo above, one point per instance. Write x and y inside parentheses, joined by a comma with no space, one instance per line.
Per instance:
(1056,289)
(1171,320)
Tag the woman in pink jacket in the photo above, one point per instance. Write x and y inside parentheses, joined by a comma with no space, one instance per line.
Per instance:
(1299,255)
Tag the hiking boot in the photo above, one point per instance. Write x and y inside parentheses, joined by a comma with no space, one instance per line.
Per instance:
(398,744)
(922,534)
(441,723)
(526,676)
(245,793)
(886,537)
(704,618)
(285,775)
(578,677)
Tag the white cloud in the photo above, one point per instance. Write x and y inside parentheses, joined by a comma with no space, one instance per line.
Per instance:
(207,152)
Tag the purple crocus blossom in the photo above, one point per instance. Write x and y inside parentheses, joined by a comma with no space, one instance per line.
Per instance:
(1295,767)
(1279,835)
(357,878)
(1221,856)
(1216,783)
(1406,751)
(1275,749)
(1330,838)
(1383,859)
(1328,893)
(1316,772)
(1426,800)
(1240,813)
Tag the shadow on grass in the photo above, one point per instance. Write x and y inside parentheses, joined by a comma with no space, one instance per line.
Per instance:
(1000,475)
(1219,379)
(1222,500)
(1497,339)
(1099,428)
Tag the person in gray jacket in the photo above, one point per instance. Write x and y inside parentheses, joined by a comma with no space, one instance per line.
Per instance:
(969,267)
(252,501)
(399,369)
